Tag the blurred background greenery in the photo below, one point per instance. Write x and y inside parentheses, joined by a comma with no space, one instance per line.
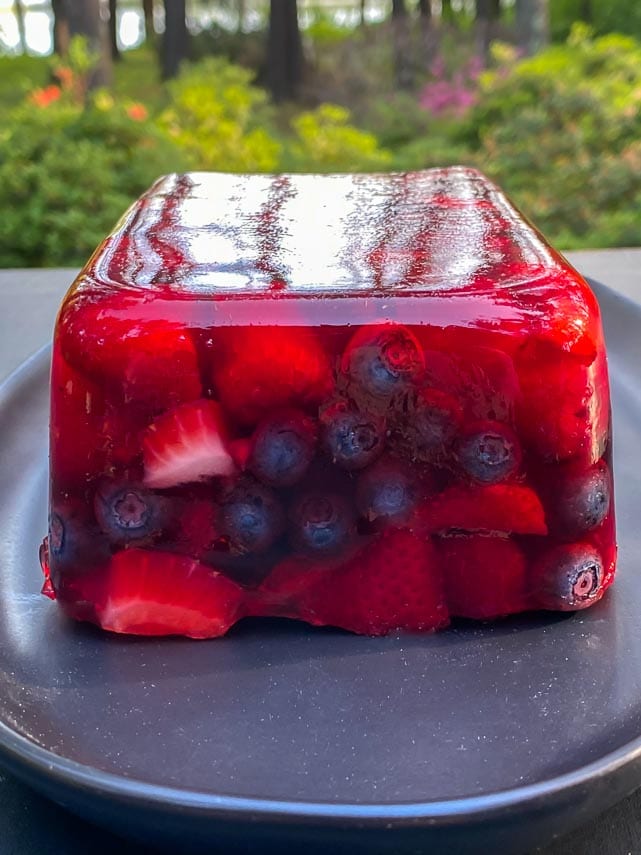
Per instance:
(99,97)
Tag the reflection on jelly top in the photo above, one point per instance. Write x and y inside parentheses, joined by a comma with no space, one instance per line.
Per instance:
(215,234)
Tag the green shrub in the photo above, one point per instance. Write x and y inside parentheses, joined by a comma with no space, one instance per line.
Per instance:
(67,174)
(323,30)
(438,147)
(220,120)
(19,75)
(325,141)
(561,132)
(137,76)
(396,119)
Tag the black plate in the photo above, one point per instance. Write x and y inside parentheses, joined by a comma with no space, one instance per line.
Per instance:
(473,739)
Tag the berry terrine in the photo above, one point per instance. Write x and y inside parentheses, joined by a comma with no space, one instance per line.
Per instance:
(375,402)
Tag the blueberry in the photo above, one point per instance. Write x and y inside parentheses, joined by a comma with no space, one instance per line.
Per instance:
(251,518)
(386,491)
(74,544)
(58,535)
(489,452)
(282,448)
(581,500)
(384,360)
(568,577)
(245,568)
(322,523)
(128,513)
(351,438)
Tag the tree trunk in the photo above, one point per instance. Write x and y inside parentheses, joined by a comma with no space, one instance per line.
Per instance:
(483,29)
(585,11)
(18,11)
(60,27)
(532,25)
(401,39)
(284,50)
(113,30)
(241,11)
(363,8)
(148,13)
(175,41)
(84,19)
(428,35)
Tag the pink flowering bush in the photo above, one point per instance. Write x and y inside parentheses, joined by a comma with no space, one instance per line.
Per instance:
(451,92)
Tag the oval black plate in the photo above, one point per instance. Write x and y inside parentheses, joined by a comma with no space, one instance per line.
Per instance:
(473,739)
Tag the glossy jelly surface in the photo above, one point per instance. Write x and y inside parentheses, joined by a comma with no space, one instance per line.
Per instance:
(374,402)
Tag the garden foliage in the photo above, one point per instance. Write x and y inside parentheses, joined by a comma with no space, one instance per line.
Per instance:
(561,132)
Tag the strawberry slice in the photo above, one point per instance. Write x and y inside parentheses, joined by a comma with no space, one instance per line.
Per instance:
(510,508)
(484,576)
(154,362)
(158,593)
(187,444)
(259,369)
(394,584)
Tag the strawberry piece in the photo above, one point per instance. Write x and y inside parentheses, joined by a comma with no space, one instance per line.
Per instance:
(573,328)
(484,576)
(564,410)
(187,444)
(288,581)
(89,434)
(259,369)
(295,574)
(153,362)
(77,406)
(122,431)
(158,593)
(393,584)
(240,449)
(482,379)
(510,508)
(196,529)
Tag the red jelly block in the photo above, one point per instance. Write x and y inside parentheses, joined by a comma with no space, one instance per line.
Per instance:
(374,402)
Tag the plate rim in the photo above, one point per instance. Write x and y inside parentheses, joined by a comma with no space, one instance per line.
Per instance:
(25,756)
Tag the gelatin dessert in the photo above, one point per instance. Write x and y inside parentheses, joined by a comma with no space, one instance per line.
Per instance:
(374,402)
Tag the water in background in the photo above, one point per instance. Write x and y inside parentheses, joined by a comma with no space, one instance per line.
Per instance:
(131,26)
